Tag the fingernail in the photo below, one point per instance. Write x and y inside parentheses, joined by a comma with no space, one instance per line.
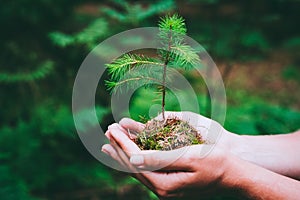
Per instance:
(107,134)
(113,126)
(104,150)
(137,160)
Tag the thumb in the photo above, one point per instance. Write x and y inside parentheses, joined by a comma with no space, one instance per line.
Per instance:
(130,124)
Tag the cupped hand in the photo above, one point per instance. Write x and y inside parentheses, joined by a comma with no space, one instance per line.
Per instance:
(184,172)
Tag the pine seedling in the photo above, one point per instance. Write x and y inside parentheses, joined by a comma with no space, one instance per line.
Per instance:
(131,70)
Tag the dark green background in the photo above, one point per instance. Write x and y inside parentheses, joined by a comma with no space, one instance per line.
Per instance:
(256,45)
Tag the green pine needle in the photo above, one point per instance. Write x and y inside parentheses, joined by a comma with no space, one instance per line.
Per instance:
(41,72)
(121,65)
(132,71)
(185,56)
(136,77)
(172,23)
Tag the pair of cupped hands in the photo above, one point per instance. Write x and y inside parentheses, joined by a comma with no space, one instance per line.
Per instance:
(185,172)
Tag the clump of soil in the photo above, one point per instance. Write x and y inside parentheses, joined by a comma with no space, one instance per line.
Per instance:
(168,135)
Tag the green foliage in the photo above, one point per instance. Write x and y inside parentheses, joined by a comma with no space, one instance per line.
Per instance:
(249,114)
(184,56)
(42,46)
(274,119)
(83,121)
(135,13)
(151,71)
(175,52)
(292,43)
(173,23)
(231,41)
(48,135)
(11,187)
(89,36)
(204,1)
(254,39)
(39,73)
(291,72)
(139,105)
(120,66)
(40,152)
(98,29)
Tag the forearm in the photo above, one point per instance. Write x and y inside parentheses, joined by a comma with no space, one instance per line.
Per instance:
(278,153)
(253,182)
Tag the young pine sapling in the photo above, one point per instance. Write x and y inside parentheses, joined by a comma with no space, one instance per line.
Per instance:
(131,70)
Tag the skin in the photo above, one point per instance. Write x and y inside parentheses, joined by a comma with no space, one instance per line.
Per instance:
(253,167)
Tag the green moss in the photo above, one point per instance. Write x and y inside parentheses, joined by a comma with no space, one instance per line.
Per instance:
(168,135)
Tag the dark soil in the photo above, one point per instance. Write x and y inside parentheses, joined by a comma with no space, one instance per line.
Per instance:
(168,135)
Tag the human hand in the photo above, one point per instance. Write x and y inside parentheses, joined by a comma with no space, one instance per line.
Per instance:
(211,131)
(176,173)
(186,172)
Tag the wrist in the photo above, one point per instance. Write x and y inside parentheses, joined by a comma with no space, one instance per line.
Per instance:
(233,143)
(231,175)
(238,145)
(230,145)
(250,181)
(236,151)
(237,177)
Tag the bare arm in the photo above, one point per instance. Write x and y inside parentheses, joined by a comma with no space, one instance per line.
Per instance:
(278,153)
(191,175)
(254,182)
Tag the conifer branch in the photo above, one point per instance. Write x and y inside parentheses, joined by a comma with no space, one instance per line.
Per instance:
(184,56)
(41,72)
(116,86)
(132,70)
(121,65)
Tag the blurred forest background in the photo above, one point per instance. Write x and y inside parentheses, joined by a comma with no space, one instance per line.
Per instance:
(255,44)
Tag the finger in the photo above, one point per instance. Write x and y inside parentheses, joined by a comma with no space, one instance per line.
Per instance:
(121,154)
(116,125)
(124,141)
(113,148)
(172,182)
(130,127)
(163,160)
(130,124)
(111,151)
(107,134)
